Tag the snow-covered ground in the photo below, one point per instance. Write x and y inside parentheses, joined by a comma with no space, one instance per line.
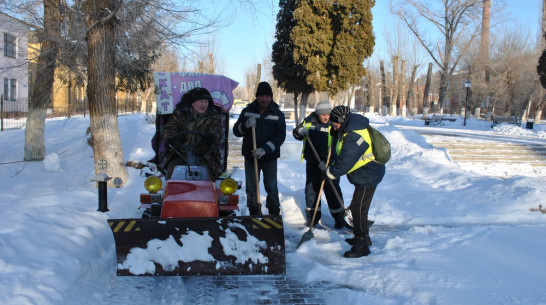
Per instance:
(445,233)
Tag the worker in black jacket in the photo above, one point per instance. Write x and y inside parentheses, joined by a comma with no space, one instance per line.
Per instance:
(355,159)
(265,116)
(317,128)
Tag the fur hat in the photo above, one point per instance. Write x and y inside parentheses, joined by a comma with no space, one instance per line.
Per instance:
(264,89)
(339,114)
(323,107)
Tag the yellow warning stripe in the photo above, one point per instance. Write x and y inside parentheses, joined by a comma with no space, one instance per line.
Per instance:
(266,226)
(261,223)
(118,226)
(274,223)
(129,226)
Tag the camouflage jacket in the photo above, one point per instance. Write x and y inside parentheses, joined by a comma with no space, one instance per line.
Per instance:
(184,119)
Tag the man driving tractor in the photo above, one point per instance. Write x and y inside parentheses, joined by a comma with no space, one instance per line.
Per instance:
(195,125)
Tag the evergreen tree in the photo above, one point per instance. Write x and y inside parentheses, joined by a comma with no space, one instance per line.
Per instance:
(353,41)
(291,77)
(321,45)
(312,37)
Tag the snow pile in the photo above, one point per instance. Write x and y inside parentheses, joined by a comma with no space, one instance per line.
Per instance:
(445,233)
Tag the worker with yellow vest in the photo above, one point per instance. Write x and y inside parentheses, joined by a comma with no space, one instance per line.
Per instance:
(355,159)
(317,128)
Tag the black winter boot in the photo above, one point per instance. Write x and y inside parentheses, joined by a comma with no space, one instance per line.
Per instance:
(310,216)
(340,222)
(359,249)
(274,211)
(351,241)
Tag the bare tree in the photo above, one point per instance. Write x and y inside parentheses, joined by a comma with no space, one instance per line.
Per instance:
(456,25)
(427,90)
(40,98)
(513,67)
(252,78)
(394,88)
(401,88)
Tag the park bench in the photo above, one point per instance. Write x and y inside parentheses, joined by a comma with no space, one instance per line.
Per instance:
(502,119)
(436,119)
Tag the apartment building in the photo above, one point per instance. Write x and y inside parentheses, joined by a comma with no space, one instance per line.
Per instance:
(14,63)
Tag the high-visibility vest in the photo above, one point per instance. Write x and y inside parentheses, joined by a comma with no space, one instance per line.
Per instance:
(308,125)
(367,156)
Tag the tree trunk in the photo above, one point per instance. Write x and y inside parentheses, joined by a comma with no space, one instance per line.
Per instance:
(303,106)
(427,89)
(540,107)
(35,149)
(411,100)
(394,100)
(511,88)
(401,86)
(296,117)
(370,93)
(383,101)
(444,84)
(101,90)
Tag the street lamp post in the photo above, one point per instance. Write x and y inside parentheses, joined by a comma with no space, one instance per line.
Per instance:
(467,84)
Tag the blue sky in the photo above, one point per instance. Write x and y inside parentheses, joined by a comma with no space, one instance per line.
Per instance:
(248,39)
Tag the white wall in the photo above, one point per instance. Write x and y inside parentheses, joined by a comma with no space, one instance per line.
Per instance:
(15,68)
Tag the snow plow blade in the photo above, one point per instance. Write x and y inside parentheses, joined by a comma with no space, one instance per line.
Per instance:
(199,246)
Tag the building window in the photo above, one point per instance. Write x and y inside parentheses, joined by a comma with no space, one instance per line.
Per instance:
(6,89)
(13,90)
(9,45)
(10,89)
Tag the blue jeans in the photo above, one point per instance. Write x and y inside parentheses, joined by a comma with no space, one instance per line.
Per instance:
(269,171)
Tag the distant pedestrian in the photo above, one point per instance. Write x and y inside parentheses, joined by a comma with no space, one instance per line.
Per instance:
(317,128)
(264,115)
(355,159)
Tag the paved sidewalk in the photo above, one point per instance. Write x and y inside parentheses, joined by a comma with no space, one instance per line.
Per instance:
(254,289)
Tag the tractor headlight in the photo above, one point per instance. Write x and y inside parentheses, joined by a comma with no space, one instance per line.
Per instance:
(153,184)
(228,186)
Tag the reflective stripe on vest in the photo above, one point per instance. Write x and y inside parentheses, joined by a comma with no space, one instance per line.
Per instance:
(367,156)
(308,126)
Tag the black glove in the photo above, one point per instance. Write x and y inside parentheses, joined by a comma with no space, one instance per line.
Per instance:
(322,166)
(323,176)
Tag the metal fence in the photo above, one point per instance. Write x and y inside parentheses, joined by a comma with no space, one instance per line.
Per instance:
(13,114)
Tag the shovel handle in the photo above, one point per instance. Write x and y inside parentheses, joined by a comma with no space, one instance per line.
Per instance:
(329,181)
(321,187)
(256,172)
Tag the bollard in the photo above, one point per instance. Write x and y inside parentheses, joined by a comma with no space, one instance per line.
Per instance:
(103,197)
(102,180)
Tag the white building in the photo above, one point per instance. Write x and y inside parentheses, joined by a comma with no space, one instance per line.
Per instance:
(14,63)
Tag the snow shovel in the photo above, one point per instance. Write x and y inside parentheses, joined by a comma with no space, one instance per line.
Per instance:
(256,172)
(348,224)
(309,234)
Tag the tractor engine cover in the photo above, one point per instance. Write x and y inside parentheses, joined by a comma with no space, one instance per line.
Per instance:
(189,199)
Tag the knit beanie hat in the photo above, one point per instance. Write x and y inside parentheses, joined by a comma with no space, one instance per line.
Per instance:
(323,107)
(196,94)
(264,89)
(339,114)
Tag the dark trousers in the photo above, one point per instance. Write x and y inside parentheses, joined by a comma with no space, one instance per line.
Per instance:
(360,205)
(269,171)
(313,180)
